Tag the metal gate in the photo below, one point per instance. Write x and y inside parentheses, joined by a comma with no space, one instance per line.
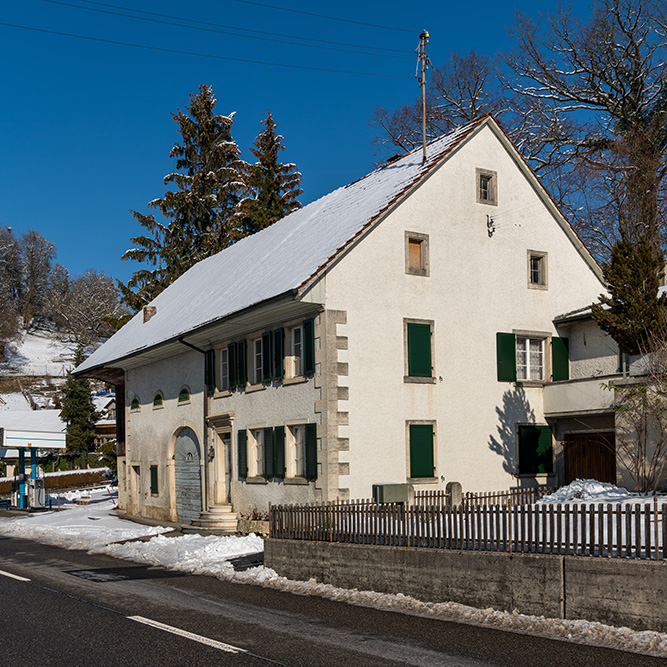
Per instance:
(187,467)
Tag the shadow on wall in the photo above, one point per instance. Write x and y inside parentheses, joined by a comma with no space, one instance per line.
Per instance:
(515,410)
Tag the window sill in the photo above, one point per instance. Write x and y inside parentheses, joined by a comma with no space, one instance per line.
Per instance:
(257,480)
(544,288)
(535,475)
(296,481)
(181,403)
(222,394)
(254,387)
(418,380)
(530,383)
(423,480)
(416,272)
(298,379)
(158,407)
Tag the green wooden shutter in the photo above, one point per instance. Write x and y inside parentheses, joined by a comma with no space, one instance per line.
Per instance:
(278,354)
(311,451)
(535,449)
(268,453)
(209,371)
(267,357)
(506,357)
(242,445)
(560,358)
(231,364)
(419,350)
(242,363)
(308,347)
(421,450)
(279,452)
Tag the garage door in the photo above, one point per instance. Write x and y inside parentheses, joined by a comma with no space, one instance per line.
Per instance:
(188,476)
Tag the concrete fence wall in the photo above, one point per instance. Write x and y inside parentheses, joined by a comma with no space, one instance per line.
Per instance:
(616,592)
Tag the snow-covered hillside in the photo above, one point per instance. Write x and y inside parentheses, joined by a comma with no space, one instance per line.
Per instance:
(38,353)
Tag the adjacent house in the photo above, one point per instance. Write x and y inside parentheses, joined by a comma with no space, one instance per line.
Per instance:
(399,329)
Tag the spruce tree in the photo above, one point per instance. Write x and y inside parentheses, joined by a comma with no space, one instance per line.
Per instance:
(274,187)
(78,412)
(197,215)
(633,313)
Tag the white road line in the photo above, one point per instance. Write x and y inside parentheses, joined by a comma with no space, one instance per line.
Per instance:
(13,576)
(228,648)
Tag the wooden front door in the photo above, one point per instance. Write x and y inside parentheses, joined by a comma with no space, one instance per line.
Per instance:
(590,456)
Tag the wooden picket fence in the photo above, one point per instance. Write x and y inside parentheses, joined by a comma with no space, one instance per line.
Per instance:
(602,530)
(510,498)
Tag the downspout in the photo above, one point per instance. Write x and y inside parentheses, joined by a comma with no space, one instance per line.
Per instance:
(204,424)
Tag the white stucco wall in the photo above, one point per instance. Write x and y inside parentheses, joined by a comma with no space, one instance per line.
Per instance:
(477,287)
(150,432)
(275,405)
(592,351)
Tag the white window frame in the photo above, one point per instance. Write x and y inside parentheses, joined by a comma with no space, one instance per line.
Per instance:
(256,461)
(525,371)
(296,451)
(295,351)
(224,369)
(257,371)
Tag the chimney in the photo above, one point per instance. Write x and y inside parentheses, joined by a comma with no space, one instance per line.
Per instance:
(149,311)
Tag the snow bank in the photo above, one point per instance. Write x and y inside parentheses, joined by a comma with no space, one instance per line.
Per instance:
(590,490)
(78,526)
(38,353)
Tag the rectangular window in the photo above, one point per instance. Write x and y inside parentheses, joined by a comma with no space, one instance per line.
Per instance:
(419,349)
(154,485)
(537,269)
(257,444)
(487,186)
(421,453)
(224,370)
(416,254)
(297,448)
(530,359)
(296,350)
(256,347)
(535,450)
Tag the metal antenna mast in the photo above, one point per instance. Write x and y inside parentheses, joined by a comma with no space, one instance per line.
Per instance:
(422,65)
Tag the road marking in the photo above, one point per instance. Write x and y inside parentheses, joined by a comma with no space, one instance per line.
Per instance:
(228,648)
(13,576)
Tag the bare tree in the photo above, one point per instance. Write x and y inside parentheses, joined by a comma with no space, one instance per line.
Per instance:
(85,308)
(462,90)
(36,256)
(10,278)
(602,85)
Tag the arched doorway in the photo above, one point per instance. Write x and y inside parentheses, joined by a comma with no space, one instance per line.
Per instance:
(187,468)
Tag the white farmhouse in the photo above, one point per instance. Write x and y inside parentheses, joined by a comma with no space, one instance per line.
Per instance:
(399,329)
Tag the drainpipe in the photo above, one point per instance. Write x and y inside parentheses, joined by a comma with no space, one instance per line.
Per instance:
(205,427)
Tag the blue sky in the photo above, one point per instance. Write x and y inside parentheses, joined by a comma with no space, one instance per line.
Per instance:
(87,125)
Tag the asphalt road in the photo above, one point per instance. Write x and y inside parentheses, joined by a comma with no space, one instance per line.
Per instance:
(71,608)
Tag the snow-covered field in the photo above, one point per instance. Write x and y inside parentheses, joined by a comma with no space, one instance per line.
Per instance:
(95,527)
(38,353)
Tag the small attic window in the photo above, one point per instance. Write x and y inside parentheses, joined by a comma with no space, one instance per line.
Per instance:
(184,396)
(487,186)
(158,400)
(135,405)
(416,254)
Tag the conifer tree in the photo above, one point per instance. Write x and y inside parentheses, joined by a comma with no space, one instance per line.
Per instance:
(633,313)
(274,187)
(197,215)
(78,412)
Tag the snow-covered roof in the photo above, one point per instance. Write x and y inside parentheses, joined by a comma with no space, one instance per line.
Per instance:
(586,312)
(275,261)
(14,402)
(43,421)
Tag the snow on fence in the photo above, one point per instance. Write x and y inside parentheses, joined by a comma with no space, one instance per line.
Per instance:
(512,497)
(606,530)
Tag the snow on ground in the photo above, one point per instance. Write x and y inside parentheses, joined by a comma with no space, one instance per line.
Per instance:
(96,528)
(592,491)
(78,526)
(38,353)
(60,473)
